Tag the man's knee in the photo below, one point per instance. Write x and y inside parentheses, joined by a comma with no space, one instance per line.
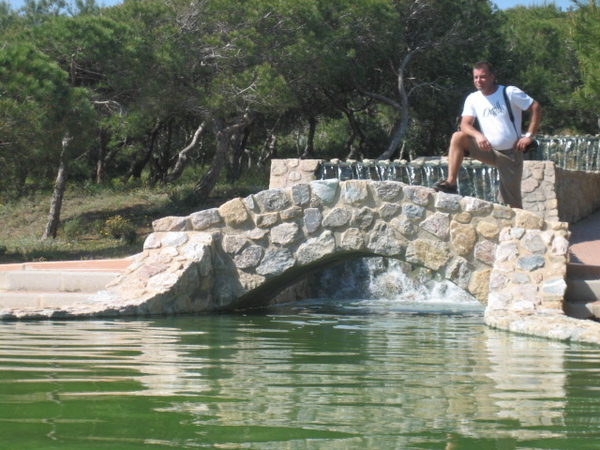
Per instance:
(460,141)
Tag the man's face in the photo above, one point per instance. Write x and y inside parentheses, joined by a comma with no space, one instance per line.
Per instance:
(484,81)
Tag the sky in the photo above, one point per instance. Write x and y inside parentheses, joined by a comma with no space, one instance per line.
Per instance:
(502,4)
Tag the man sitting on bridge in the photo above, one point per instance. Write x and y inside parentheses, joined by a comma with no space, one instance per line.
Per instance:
(499,143)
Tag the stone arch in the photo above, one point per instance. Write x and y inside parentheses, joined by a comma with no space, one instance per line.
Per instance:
(229,257)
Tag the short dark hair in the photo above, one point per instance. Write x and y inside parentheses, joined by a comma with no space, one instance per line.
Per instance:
(484,65)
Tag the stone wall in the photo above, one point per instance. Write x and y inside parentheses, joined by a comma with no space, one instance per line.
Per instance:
(578,194)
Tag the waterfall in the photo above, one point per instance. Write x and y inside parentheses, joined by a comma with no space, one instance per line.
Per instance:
(475,178)
(570,152)
(388,280)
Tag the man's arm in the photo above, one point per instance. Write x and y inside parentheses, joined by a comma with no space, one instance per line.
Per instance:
(466,126)
(536,117)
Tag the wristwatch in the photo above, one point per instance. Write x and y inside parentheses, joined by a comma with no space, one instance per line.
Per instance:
(529,135)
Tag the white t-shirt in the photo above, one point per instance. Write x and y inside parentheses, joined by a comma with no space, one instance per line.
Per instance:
(493,117)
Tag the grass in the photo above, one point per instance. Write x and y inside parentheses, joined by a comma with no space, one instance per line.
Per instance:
(101,222)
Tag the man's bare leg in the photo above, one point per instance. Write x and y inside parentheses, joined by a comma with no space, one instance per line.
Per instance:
(456,154)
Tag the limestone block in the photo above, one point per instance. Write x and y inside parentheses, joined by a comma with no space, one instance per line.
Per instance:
(256,234)
(554,287)
(250,281)
(529,220)
(498,282)
(488,230)
(447,202)
(463,217)
(337,217)
(388,190)
(276,261)
(205,219)
(507,251)
(529,185)
(413,212)
(291,213)
(479,286)
(355,192)
(383,240)
(404,226)
(233,243)
(324,191)
(174,239)
(459,271)
(234,213)
(531,263)
(272,200)
(172,224)
(485,252)
(560,246)
(437,224)
(300,194)
(250,257)
(476,206)
(201,254)
(251,204)
(463,238)
(419,195)
(285,234)
(428,253)
(363,218)
(152,242)
(312,219)
(533,243)
(389,210)
(316,248)
(352,239)
(520,278)
(163,281)
(267,220)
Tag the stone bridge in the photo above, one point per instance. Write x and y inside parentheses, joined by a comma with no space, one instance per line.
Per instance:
(248,250)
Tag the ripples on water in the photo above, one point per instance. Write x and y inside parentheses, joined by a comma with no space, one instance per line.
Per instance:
(327,374)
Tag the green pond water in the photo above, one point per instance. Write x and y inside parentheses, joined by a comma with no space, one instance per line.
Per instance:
(327,374)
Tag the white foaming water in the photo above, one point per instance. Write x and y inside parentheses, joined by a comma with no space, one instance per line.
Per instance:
(392,282)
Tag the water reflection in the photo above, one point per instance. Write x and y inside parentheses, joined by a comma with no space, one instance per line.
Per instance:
(313,375)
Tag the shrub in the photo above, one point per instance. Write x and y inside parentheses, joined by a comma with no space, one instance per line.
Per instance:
(118,227)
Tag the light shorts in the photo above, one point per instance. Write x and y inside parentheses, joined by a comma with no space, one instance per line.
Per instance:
(510,169)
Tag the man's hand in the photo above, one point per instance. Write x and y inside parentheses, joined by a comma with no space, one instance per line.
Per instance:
(523,143)
(483,143)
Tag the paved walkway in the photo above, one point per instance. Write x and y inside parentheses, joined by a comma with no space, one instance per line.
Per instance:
(585,240)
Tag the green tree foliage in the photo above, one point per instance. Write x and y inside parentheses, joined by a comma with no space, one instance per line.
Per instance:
(38,108)
(543,62)
(586,33)
(144,88)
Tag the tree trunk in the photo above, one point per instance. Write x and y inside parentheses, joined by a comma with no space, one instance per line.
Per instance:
(100,160)
(227,138)
(182,157)
(234,170)
(58,193)
(309,150)
(137,165)
(269,150)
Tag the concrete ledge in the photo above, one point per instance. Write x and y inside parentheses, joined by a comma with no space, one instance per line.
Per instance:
(96,265)
(55,281)
(547,325)
(40,300)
